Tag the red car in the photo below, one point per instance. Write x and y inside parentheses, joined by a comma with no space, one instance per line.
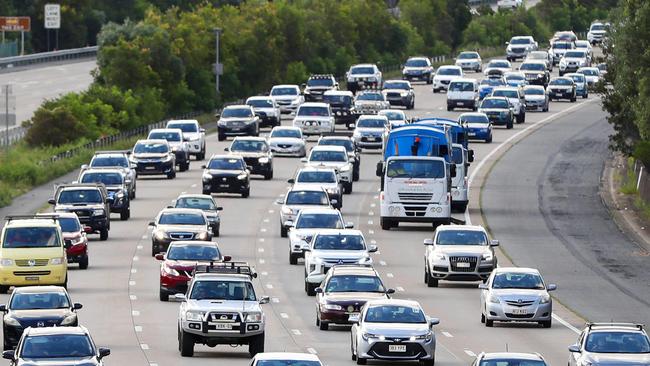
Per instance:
(179,263)
(74,235)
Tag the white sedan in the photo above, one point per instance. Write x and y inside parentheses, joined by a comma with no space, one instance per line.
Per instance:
(287,141)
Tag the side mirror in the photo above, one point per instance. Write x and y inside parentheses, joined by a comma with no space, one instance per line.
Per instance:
(51,201)
(160,256)
(507,43)
(433,321)
(103,352)
(372,248)
(289,224)
(77,306)
(151,223)
(170,206)
(133,165)
(470,156)
(453,170)
(265,300)
(84,167)
(204,166)
(380,169)
(334,201)
(217,115)
(219,208)
(180,297)
(8,355)
(3,308)
(428,241)
(304,160)
(353,318)
(279,201)
(483,286)
(574,348)
(110,200)
(349,225)
(226,149)
(202,130)
(551,287)
(227,258)
(494,243)
(318,290)
(303,85)
(292,181)
(390,291)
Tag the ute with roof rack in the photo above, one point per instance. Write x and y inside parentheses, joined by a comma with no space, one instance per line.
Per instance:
(611,343)
(221,307)
(318,84)
(91,203)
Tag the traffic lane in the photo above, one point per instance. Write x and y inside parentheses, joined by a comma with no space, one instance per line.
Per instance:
(561,221)
(32,86)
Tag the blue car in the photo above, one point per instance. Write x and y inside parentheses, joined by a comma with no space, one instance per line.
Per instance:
(582,87)
(487,85)
(478,126)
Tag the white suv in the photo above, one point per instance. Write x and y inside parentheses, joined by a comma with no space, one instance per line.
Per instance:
(193,133)
(444,76)
(308,223)
(336,157)
(314,118)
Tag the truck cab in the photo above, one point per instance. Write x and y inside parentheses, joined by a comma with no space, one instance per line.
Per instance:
(461,157)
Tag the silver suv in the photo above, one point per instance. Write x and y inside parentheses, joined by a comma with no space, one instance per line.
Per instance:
(221,307)
(611,344)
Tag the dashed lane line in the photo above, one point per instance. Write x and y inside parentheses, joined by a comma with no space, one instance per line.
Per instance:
(296,332)
(470,353)
(312,351)
(447,334)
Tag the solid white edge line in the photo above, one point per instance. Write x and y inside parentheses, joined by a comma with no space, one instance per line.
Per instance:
(470,353)
(565,323)
(312,351)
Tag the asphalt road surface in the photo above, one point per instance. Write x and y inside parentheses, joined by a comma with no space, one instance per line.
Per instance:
(120,288)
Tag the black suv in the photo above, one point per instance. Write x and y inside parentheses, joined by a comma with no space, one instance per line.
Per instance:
(116,187)
(317,85)
(342,106)
(256,153)
(226,174)
(91,203)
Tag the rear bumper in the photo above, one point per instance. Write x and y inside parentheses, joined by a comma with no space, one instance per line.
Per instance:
(155,168)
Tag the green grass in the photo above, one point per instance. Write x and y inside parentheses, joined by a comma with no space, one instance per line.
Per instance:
(628,183)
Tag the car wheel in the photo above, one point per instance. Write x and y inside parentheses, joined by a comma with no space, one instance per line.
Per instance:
(4,289)
(450,108)
(489,323)
(185,166)
(221,137)
(573,99)
(323,325)
(154,249)
(186,344)
(509,124)
(385,223)
(430,362)
(293,259)
(426,273)
(310,289)
(103,234)
(163,295)
(435,90)
(246,193)
(546,324)
(432,282)
(361,361)
(83,262)
(268,175)
(585,96)
(521,118)
(171,175)
(482,318)
(125,214)
(283,231)
(489,139)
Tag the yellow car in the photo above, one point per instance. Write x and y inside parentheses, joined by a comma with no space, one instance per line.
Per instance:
(32,252)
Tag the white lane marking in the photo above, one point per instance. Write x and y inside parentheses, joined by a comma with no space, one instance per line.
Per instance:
(400,288)
(370,213)
(144,346)
(373,205)
(284,315)
(135,258)
(135,313)
(261,250)
(383,263)
(375,197)
(370,232)
(153,364)
(378,252)
(144,236)
(565,323)
(263,230)
(133,270)
(312,351)
(271,211)
(262,240)
(183,192)
(296,332)
(266,220)
(139,247)
(447,334)
(373,241)
(265,273)
(131,283)
(470,353)
(269,286)
(262,261)
(133,297)
(275,300)
(193,185)
(389,275)
(138,328)
(370,222)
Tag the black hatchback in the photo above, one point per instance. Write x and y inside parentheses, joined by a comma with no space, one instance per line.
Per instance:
(226,174)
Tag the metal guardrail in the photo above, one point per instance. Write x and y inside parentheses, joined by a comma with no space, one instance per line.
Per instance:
(15,135)
(37,58)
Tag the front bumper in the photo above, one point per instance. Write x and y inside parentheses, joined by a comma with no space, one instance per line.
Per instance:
(239,130)
(374,348)
(462,103)
(207,332)
(448,271)
(561,94)
(32,276)
(503,312)
(95,223)
(478,133)
(534,105)
(398,100)
(369,142)
(315,128)
(226,185)
(195,146)
(441,84)
(77,252)
(429,213)
(582,92)
(266,119)
(515,55)
(259,168)
(423,76)
(119,205)
(288,150)
(174,284)
(475,66)
(154,168)
(339,316)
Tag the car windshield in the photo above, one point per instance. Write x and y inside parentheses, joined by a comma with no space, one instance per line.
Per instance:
(178,218)
(69,224)
(448,71)
(590,72)
(287,363)
(193,252)
(371,123)
(578,78)
(362,70)
(395,314)
(325,155)
(457,155)
(534,91)
(538,55)
(260,103)
(226,164)
(339,242)
(337,99)
(223,290)
(320,82)
(236,113)
(461,237)
(499,64)
(370,96)
(352,283)
(532,66)
(249,145)
(284,91)
(574,54)
(109,179)
(307,198)
(108,161)
(286,132)
(151,148)
(467,55)
(598,27)
(31,237)
(416,62)
(515,77)
(393,116)
(313,111)
(582,44)
(511,362)
(185,127)
(461,86)
(345,142)
(320,221)
(493,82)
(505,93)
(57,346)
(495,104)
(561,81)
(475,118)
(617,342)
(562,45)
(196,202)
(602,67)
(169,136)
(316,177)
(415,168)
(518,280)
(39,300)
(520,41)
(81,196)
(396,85)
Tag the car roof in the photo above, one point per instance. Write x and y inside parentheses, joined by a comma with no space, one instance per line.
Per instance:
(417,58)
(194,195)
(31,223)
(397,81)
(107,169)
(511,355)
(167,130)
(473,114)
(339,232)
(391,111)
(221,277)
(372,116)
(226,156)
(315,104)
(534,87)
(66,215)
(335,138)
(510,88)
(152,141)
(522,37)
(285,128)
(398,302)
(448,67)
(364,65)
(38,289)
(182,121)
(329,148)
(259,97)
(285,86)
(238,106)
(560,78)
(516,270)
(300,188)
(194,242)
(460,227)
(286,356)
(622,327)
(466,52)
(110,154)
(80,330)
(354,269)
(339,92)
(464,80)
(534,61)
(323,211)
(249,138)
(181,210)
(313,168)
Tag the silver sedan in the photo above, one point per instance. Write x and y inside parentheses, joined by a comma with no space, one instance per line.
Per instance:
(516,295)
(287,141)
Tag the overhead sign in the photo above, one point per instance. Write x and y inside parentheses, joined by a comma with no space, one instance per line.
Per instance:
(52,16)
(15,24)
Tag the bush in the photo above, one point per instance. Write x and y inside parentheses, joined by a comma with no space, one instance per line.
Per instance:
(54,127)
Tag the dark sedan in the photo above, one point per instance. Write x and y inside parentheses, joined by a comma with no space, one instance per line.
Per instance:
(226,174)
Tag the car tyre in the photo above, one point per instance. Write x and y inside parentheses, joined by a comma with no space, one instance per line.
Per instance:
(546,324)
(283,231)
(573,99)
(221,137)
(585,96)
(489,139)
(482,318)
(361,361)
(450,108)
(103,234)
(83,262)
(432,282)
(4,289)
(430,362)
(268,175)
(521,117)
(293,259)
(185,166)
(154,249)
(163,295)
(310,289)
(125,214)
(171,175)
(323,325)
(386,224)
(489,323)
(435,90)
(186,344)
(509,124)
(246,193)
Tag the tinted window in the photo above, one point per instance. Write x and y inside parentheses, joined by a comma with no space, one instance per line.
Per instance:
(463,86)
(396,85)
(598,27)
(560,82)
(313,111)
(617,342)
(321,221)
(520,41)
(307,198)
(534,91)
(467,55)
(370,96)
(181,219)
(339,242)
(236,113)
(493,82)
(562,45)
(69,224)
(352,283)
(346,143)
(449,71)
(371,123)
(223,290)
(416,62)
(260,103)
(474,119)
(495,103)
(362,70)
(80,196)
(393,116)
(198,203)
(185,127)
(457,155)
(590,72)
(320,82)
(284,91)
(461,237)
(193,253)
(286,132)
(57,346)
(249,146)
(109,179)
(324,155)
(150,148)
(499,64)
(415,169)
(337,99)
(169,136)
(505,93)
(316,177)
(577,54)
(226,164)
(578,78)
(31,237)
(394,314)
(100,161)
(511,362)
(287,363)
(39,300)
(518,280)
(533,67)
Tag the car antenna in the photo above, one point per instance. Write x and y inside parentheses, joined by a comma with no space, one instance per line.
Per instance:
(507,347)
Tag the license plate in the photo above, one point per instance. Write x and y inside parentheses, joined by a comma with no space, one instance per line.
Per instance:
(150,167)
(360,82)
(397,348)
(372,139)
(31,278)
(223,326)
(462,265)
(517,311)
(459,103)
(224,185)
(236,128)
(471,133)
(351,315)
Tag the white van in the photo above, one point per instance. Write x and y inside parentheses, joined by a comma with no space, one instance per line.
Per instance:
(463,93)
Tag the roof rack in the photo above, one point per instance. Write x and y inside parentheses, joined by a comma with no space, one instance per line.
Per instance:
(227,268)
(99,152)
(77,185)
(321,76)
(615,324)
(337,134)
(53,217)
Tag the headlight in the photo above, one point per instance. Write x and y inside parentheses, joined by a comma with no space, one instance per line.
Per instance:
(486,257)
(545,299)
(332,190)
(368,336)
(11,321)
(160,235)
(174,148)
(168,158)
(346,168)
(196,316)
(242,176)
(332,307)
(76,241)
(170,271)
(119,194)
(98,212)
(69,320)
(195,138)
(365,260)
(295,101)
(403,94)
(494,299)
(253,318)
(206,177)
(441,257)
(56,261)
(203,236)
(221,123)
(427,337)
(317,260)
(263,160)
(287,210)
(5,262)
